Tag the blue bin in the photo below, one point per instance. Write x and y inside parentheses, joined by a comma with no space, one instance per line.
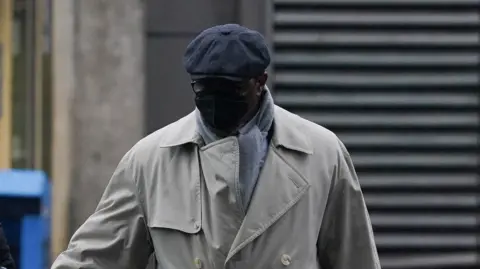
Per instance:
(25,216)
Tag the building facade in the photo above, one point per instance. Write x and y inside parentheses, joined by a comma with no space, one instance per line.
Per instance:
(397,80)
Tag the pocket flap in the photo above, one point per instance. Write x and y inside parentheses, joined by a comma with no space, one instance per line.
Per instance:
(177,206)
(174,218)
(174,198)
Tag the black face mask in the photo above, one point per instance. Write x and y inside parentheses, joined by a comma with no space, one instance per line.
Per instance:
(223,113)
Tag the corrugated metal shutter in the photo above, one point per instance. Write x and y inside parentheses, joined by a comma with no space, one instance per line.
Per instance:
(398,81)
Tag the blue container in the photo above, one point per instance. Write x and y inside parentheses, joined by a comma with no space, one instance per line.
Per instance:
(25,216)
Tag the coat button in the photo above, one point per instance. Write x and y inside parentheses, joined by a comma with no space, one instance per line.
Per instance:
(198,263)
(286,260)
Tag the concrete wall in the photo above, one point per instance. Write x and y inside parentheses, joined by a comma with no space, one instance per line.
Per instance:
(108,102)
(98,51)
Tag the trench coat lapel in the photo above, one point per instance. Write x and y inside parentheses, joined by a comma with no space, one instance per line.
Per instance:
(279,186)
(278,189)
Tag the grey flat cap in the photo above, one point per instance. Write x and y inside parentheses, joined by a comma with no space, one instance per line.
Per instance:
(230,51)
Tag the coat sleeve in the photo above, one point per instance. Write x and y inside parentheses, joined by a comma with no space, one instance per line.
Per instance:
(346,237)
(115,235)
(6,259)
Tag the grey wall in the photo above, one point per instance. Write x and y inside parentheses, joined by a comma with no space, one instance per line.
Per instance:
(99,71)
(170,27)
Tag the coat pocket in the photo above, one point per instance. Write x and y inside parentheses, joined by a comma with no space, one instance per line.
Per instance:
(176,234)
(177,207)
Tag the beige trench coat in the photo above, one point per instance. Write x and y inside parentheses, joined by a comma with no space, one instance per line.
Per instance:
(170,196)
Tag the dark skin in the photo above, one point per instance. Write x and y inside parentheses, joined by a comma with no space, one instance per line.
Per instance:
(252,89)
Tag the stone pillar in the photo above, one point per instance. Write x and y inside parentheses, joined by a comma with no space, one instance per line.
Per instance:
(108,98)
(98,52)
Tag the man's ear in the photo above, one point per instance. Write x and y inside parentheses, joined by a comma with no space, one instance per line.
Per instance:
(260,83)
(262,79)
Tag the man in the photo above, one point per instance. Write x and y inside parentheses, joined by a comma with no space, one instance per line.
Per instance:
(238,183)
(6,260)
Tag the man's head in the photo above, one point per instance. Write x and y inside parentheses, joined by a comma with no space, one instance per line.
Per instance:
(227,66)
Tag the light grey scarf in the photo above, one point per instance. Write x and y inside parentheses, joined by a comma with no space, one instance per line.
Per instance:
(253,143)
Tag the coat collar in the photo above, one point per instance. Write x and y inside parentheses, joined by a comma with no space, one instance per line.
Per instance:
(286,133)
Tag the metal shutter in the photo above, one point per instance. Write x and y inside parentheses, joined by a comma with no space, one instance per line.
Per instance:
(398,81)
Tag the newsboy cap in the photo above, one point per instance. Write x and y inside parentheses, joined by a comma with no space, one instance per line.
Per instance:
(230,51)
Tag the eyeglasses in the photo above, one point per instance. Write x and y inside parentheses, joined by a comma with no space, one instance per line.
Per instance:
(220,86)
